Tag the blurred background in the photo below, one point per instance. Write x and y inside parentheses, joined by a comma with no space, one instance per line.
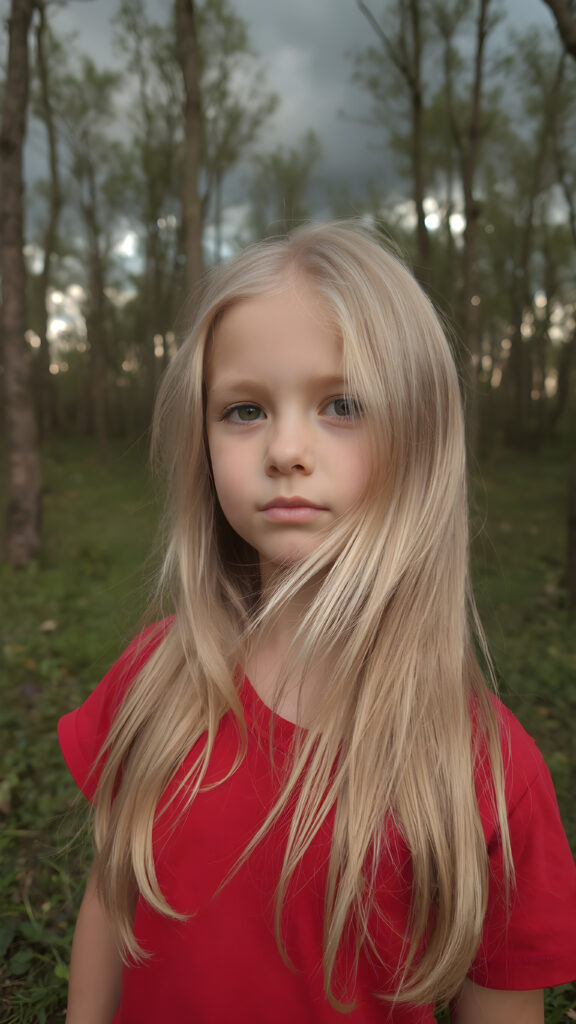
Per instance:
(140,144)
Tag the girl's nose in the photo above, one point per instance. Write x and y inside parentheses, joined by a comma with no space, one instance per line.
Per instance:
(290,449)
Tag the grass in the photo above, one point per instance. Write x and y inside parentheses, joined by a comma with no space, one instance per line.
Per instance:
(518,568)
(65,619)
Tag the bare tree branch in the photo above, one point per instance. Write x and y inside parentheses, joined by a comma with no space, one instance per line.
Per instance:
(566,23)
(188,58)
(375,25)
(405,52)
(396,49)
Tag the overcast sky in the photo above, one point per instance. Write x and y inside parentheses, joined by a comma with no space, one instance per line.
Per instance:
(304,45)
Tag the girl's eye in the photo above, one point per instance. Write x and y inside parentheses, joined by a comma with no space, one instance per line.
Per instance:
(344,407)
(243,413)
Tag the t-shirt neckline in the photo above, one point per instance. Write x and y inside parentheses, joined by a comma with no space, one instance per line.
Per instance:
(262,718)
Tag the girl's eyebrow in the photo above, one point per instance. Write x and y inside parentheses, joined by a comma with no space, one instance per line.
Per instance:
(249,384)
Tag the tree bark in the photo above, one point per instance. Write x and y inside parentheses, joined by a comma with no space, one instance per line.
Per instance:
(22,539)
(405,52)
(417,132)
(521,292)
(45,383)
(566,24)
(469,160)
(96,316)
(187,46)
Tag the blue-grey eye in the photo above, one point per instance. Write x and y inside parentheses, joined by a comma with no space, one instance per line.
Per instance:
(345,407)
(245,413)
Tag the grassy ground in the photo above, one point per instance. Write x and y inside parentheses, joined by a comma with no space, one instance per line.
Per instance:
(520,518)
(63,621)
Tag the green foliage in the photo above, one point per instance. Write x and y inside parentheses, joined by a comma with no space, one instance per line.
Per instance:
(236,102)
(280,188)
(65,619)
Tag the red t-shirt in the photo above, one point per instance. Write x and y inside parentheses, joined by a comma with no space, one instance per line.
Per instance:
(223,964)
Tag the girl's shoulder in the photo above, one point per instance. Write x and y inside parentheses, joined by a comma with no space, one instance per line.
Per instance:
(528,935)
(523,762)
(529,791)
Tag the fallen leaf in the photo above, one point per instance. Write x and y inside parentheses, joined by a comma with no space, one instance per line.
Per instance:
(48,626)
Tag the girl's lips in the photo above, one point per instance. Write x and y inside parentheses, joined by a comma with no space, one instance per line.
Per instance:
(292,513)
(291,510)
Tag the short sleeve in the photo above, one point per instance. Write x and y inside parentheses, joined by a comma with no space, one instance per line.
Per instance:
(530,942)
(82,733)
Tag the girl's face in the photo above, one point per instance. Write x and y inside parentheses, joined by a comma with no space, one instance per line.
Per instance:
(289,448)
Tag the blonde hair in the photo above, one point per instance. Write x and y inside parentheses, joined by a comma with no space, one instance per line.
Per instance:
(391,738)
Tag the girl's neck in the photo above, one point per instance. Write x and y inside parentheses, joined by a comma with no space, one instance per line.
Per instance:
(268,662)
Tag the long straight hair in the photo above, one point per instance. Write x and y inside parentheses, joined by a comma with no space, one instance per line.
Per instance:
(398,733)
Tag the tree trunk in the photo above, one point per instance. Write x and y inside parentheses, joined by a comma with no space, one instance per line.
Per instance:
(22,540)
(566,361)
(45,382)
(405,51)
(417,132)
(521,290)
(187,46)
(95,312)
(566,24)
(96,326)
(565,181)
(218,217)
(152,309)
(469,312)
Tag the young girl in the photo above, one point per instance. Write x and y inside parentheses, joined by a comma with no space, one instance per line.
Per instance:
(306,800)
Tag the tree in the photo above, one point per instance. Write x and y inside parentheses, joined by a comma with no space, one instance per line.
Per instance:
(94,157)
(22,541)
(524,259)
(188,57)
(235,101)
(564,13)
(565,16)
(401,50)
(152,195)
(279,188)
(47,51)
(543,82)
(467,126)
(234,105)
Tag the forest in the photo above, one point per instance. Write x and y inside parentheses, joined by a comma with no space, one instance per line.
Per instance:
(104,240)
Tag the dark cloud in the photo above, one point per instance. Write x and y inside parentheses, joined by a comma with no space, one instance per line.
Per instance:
(305,46)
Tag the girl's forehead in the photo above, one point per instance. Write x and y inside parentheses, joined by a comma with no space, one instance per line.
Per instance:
(294,289)
(283,331)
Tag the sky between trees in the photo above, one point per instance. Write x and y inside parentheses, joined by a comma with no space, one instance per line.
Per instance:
(306,48)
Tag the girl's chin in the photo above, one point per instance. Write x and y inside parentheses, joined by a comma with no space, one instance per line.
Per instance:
(275,561)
